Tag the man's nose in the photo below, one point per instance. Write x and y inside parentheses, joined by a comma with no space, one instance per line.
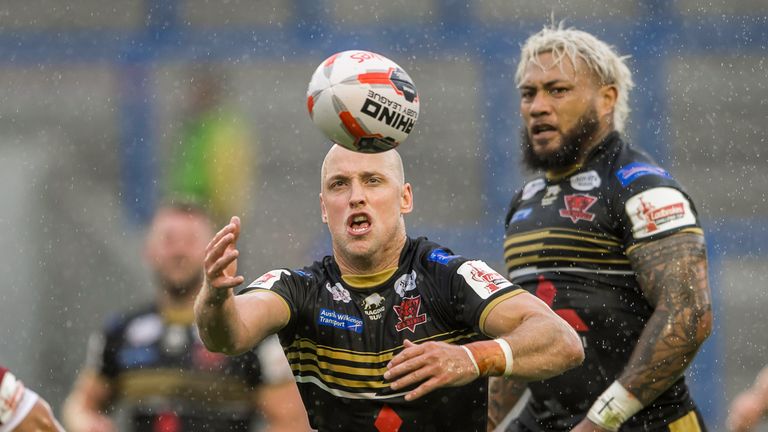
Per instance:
(540,105)
(356,195)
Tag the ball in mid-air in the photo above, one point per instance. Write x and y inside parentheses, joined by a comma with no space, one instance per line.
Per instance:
(363,101)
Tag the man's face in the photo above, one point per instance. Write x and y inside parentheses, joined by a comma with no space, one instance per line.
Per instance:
(362,200)
(559,106)
(175,249)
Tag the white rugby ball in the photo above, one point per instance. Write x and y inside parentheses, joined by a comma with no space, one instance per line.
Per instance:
(363,101)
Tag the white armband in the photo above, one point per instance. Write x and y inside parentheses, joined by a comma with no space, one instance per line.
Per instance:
(509,361)
(614,407)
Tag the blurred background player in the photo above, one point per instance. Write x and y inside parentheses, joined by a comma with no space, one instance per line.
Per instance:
(152,361)
(215,150)
(749,407)
(610,241)
(23,410)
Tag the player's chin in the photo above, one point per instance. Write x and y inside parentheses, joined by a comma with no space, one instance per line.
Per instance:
(544,146)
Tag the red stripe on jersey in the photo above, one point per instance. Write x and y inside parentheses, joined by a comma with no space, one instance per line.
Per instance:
(571,317)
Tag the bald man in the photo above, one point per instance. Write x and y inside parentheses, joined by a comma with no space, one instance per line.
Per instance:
(390,332)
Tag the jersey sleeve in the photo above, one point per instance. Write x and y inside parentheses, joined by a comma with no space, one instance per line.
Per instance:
(103,349)
(473,287)
(290,286)
(274,365)
(650,204)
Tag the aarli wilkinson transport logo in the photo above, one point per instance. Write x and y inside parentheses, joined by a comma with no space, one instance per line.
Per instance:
(408,313)
(576,207)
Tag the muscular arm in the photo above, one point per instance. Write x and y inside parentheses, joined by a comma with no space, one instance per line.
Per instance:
(282,408)
(227,323)
(503,395)
(672,272)
(748,408)
(543,344)
(39,419)
(82,410)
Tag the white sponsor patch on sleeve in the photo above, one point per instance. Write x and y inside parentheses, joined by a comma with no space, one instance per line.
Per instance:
(657,210)
(268,279)
(482,278)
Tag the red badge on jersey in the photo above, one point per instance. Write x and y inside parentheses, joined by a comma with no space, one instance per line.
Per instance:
(408,312)
(576,207)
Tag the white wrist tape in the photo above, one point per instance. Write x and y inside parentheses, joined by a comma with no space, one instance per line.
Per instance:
(472,359)
(509,361)
(614,407)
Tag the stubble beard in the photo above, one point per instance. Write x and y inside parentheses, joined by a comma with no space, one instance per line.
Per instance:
(181,289)
(573,141)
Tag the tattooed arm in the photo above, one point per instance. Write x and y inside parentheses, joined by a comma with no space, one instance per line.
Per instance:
(503,394)
(672,272)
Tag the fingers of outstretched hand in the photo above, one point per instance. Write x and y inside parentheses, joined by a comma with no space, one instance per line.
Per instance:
(410,351)
(434,364)
(231,228)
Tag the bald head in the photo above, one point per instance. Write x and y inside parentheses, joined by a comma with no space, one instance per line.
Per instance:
(388,161)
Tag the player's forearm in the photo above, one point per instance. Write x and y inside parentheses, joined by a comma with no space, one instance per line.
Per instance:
(760,388)
(503,394)
(673,275)
(544,346)
(540,347)
(218,322)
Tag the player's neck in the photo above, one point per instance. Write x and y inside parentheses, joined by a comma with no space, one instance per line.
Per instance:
(379,261)
(599,137)
(167,301)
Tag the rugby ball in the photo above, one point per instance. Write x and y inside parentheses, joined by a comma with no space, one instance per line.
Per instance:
(363,101)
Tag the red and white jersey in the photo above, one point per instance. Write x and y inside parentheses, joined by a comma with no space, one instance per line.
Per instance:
(11,392)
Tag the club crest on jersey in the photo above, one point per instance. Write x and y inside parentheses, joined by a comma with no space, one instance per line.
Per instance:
(373,306)
(338,292)
(532,188)
(408,313)
(482,278)
(586,181)
(405,283)
(576,207)
(551,195)
(268,279)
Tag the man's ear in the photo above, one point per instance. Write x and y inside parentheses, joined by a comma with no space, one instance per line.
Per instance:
(406,199)
(323,212)
(606,100)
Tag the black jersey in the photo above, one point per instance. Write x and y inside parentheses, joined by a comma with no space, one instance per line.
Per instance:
(164,376)
(340,338)
(567,241)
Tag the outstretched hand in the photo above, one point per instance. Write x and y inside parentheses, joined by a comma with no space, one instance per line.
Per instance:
(433,364)
(221,254)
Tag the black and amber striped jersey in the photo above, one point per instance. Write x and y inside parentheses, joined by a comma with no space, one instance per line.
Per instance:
(340,337)
(167,380)
(567,240)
